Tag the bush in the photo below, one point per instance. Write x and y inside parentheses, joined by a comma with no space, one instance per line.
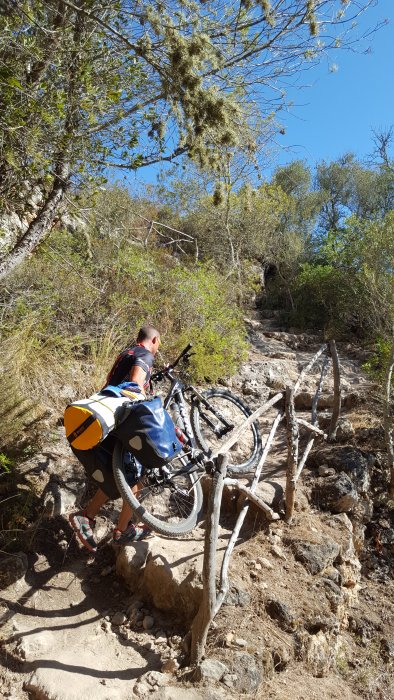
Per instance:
(328,298)
(65,324)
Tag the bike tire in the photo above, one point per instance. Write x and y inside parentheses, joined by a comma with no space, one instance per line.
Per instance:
(171,513)
(249,447)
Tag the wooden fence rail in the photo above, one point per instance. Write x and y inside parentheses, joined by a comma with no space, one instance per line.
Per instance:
(213,598)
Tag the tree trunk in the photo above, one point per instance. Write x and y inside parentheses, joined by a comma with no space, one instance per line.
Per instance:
(388,419)
(40,225)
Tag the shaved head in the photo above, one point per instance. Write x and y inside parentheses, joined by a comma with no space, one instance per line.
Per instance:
(147,333)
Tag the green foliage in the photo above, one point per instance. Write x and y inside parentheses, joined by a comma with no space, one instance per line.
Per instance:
(129,84)
(321,299)
(65,323)
(377,363)
(5,463)
(203,314)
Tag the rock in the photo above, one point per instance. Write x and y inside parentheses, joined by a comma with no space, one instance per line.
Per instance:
(11,226)
(153,678)
(148,622)
(161,637)
(240,642)
(318,652)
(105,625)
(211,669)
(333,574)
(167,572)
(345,430)
(119,619)
(141,689)
(281,657)
(325,470)
(265,563)
(237,597)
(248,675)
(12,568)
(280,612)
(355,463)
(387,649)
(136,616)
(335,493)
(130,563)
(278,551)
(229,639)
(229,680)
(316,557)
(33,645)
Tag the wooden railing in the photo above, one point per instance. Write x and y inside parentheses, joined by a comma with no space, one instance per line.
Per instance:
(213,594)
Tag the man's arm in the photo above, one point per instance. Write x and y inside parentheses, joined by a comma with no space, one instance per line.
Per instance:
(138,375)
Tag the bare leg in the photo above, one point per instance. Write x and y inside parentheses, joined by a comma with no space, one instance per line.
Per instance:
(96,503)
(126,512)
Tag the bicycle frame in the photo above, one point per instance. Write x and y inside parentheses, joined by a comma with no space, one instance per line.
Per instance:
(176,394)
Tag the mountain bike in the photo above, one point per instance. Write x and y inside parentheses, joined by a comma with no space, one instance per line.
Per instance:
(169,499)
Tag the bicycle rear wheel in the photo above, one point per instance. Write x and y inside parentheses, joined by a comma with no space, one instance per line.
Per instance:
(166,502)
(213,424)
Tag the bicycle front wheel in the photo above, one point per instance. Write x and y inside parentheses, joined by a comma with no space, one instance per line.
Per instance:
(213,424)
(165,501)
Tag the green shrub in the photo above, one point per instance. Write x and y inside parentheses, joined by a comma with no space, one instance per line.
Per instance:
(65,324)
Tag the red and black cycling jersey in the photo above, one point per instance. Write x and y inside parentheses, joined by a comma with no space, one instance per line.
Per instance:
(137,356)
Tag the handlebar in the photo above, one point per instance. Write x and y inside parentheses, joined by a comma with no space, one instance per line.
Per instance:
(157,376)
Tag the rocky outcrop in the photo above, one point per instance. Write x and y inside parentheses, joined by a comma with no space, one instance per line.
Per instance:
(166,572)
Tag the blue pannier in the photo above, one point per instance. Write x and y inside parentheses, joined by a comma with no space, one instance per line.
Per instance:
(149,433)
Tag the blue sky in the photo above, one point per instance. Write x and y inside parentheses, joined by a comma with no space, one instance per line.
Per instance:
(336,111)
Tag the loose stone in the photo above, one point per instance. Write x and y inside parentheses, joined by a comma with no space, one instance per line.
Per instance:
(148,622)
(119,619)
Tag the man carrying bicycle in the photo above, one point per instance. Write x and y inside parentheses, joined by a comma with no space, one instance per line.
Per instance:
(134,364)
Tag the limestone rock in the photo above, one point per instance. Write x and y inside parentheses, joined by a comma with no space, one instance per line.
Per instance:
(211,669)
(248,674)
(166,571)
(317,651)
(153,678)
(315,557)
(131,561)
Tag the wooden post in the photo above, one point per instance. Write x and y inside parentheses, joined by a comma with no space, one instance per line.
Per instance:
(292,453)
(206,611)
(336,410)
(235,434)
(224,582)
(315,401)
(269,513)
(308,368)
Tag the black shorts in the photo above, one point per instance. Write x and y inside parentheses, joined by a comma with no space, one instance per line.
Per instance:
(97,464)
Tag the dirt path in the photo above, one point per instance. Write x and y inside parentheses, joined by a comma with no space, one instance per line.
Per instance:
(61,639)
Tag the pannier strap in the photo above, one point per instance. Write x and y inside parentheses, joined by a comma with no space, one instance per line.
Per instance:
(81,428)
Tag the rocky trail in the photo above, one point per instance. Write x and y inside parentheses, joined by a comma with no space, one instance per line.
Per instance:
(310,613)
